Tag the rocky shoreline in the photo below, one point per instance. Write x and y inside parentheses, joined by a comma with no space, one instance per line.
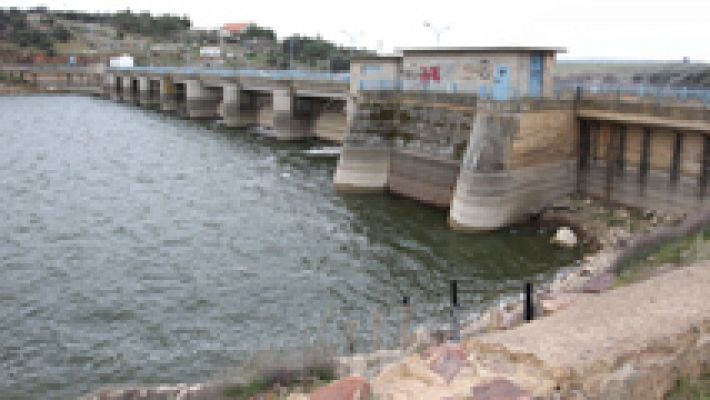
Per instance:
(605,232)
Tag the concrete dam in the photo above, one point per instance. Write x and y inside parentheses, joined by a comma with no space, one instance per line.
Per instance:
(482,132)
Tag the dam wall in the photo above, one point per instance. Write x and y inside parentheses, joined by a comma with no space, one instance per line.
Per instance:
(407,143)
(490,163)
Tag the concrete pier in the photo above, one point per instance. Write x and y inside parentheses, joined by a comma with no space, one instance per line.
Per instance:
(284,125)
(238,106)
(362,167)
(168,94)
(202,101)
(516,163)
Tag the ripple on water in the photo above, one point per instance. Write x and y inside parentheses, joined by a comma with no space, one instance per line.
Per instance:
(143,248)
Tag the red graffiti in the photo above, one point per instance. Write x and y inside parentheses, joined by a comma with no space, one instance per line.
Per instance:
(427,74)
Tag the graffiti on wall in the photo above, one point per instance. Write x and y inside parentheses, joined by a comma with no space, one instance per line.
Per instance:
(480,70)
(430,74)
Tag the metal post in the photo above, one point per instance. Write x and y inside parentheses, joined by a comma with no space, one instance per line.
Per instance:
(376,324)
(455,328)
(404,328)
(350,335)
(529,311)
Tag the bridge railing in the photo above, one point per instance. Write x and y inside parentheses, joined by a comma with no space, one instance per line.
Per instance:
(638,92)
(343,77)
(482,91)
(562,91)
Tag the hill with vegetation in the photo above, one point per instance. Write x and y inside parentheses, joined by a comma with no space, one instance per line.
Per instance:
(43,35)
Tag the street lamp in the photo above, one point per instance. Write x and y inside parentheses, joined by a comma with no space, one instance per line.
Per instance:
(437,30)
(353,38)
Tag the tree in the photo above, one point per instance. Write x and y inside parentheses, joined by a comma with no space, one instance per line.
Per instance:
(257,32)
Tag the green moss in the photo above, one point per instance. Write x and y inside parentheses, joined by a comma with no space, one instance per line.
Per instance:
(691,389)
(674,252)
(245,392)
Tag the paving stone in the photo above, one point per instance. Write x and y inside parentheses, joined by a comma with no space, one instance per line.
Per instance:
(599,283)
(499,389)
(350,388)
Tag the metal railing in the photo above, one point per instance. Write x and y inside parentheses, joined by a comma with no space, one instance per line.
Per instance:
(638,91)
(288,74)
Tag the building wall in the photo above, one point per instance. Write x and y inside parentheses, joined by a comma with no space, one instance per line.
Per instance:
(370,71)
(469,71)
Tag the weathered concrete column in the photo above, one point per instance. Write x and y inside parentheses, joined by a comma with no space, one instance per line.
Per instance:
(116,88)
(202,101)
(515,164)
(168,96)
(108,82)
(144,91)
(127,94)
(233,103)
(282,103)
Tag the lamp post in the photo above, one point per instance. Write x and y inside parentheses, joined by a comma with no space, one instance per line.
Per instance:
(437,30)
(353,38)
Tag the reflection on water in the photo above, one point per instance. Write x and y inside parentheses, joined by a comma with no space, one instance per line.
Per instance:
(137,247)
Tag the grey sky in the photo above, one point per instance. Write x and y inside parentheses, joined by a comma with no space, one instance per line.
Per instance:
(630,29)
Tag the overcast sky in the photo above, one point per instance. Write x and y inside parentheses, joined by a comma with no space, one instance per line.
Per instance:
(628,29)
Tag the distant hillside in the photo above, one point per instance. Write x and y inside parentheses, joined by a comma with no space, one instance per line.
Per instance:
(43,29)
(676,74)
(42,35)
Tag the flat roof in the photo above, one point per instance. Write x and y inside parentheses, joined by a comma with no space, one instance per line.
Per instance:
(383,58)
(459,50)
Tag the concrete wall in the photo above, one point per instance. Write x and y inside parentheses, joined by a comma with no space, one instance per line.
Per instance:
(424,178)
(406,143)
(471,70)
(516,163)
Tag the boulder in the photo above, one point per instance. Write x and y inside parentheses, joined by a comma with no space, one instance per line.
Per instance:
(350,388)
(564,237)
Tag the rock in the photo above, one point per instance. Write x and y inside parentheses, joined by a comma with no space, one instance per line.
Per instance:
(350,388)
(557,302)
(599,283)
(499,389)
(446,359)
(564,237)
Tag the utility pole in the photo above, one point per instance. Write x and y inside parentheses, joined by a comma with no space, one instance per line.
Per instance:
(437,31)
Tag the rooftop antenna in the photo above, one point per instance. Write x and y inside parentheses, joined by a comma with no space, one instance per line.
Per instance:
(437,31)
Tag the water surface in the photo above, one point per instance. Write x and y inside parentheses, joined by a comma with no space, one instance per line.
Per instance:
(136,247)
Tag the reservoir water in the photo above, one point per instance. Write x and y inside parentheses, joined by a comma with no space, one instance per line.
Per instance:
(136,247)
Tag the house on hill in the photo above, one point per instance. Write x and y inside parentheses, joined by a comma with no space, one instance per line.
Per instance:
(233,30)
